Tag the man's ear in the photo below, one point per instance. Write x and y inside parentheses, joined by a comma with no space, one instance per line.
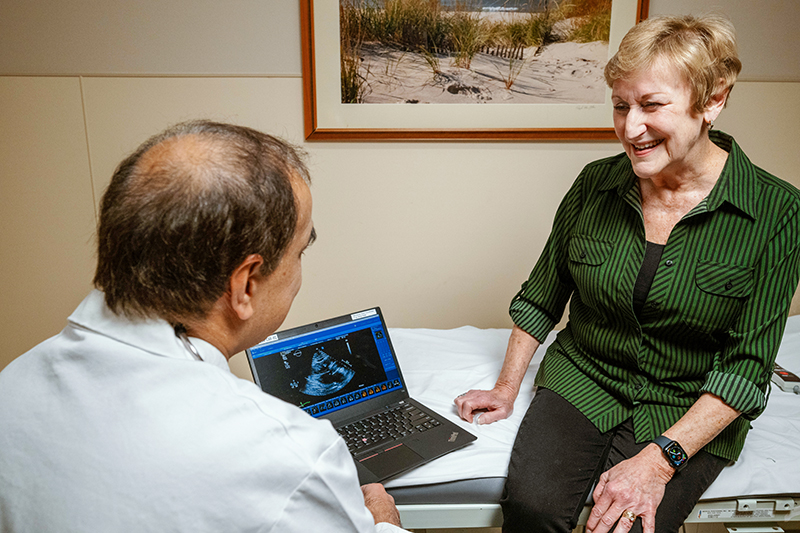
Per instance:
(243,284)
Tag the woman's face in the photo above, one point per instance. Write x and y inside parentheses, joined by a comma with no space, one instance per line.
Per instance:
(654,121)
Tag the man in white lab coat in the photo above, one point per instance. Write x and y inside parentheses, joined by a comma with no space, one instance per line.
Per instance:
(129,419)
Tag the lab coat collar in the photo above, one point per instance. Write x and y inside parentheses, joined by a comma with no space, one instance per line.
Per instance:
(155,336)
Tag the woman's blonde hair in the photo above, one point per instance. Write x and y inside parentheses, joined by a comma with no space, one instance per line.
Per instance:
(703,49)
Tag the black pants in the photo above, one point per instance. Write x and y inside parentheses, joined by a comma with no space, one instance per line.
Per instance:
(559,455)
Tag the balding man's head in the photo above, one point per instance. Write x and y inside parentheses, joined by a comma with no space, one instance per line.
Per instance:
(184,210)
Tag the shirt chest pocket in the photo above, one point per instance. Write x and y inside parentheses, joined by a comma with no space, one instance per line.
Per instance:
(729,281)
(588,265)
(585,250)
(722,288)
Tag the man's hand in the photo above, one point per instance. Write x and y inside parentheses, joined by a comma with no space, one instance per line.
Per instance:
(380,504)
(488,406)
(637,485)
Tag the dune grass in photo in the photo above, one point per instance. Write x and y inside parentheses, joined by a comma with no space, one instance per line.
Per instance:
(426,29)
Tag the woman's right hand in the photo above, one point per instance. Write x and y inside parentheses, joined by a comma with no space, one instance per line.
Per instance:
(486,406)
(496,404)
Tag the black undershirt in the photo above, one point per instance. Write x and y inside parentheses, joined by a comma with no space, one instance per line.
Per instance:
(652,256)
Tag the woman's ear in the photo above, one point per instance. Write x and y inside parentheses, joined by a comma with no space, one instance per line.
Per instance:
(244,282)
(716,103)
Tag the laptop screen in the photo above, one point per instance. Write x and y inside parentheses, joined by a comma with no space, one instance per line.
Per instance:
(325,367)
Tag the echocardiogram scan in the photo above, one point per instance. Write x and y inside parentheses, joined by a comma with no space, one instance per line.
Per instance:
(318,371)
(327,374)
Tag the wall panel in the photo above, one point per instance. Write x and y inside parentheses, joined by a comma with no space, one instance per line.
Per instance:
(766,32)
(262,37)
(122,112)
(189,37)
(439,234)
(47,215)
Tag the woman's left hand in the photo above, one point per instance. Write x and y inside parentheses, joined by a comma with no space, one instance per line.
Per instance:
(636,485)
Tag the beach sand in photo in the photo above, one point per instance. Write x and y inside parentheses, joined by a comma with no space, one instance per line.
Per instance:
(565,72)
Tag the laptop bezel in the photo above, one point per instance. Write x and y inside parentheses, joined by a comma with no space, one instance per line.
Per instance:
(355,411)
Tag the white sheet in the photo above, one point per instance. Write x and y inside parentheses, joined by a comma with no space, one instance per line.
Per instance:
(440,364)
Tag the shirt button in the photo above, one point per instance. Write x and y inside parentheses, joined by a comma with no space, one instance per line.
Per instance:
(583,255)
(669,262)
(729,285)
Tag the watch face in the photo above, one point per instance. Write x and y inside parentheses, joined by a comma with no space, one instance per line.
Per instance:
(676,454)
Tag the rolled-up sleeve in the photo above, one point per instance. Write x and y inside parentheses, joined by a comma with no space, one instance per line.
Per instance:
(540,303)
(741,375)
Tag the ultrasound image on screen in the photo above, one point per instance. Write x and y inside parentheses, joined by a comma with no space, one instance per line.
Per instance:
(327,376)
(333,367)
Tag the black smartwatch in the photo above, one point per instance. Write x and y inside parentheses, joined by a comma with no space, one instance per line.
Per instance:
(676,456)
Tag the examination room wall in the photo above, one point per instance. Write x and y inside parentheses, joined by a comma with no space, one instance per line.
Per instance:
(439,234)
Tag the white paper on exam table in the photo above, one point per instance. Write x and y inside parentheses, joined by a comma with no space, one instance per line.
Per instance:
(440,364)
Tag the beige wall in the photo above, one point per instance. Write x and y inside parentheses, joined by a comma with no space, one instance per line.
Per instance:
(438,234)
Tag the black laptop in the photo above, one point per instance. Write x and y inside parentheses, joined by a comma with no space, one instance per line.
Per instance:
(345,370)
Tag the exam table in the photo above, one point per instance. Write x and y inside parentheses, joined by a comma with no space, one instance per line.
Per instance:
(760,492)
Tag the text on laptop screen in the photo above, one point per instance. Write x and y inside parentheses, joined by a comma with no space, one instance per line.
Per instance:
(323,370)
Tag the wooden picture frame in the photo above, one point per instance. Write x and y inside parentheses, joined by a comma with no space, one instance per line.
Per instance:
(326,118)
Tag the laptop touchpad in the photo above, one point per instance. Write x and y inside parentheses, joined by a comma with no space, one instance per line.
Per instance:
(391,461)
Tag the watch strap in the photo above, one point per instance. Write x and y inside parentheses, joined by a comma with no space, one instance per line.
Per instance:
(662,441)
(665,443)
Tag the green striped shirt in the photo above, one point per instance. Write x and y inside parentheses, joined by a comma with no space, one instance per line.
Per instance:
(713,318)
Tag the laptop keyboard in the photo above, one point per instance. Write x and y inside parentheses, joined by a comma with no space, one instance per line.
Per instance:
(386,426)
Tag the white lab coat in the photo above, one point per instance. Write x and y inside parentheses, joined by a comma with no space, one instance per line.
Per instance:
(112,426)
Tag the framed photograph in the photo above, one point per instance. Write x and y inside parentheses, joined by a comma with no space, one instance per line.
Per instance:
(460,69)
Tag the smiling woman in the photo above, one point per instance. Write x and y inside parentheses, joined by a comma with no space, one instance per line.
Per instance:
(668,87)
(667,143)
(679,259)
